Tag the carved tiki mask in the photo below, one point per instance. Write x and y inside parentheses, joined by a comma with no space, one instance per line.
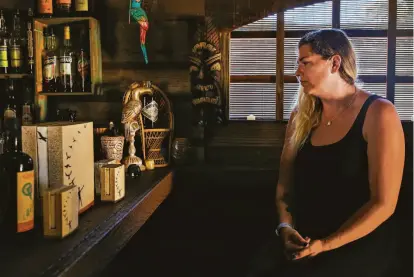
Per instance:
(205,72)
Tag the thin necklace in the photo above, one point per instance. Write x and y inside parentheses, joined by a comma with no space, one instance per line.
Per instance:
(329,123)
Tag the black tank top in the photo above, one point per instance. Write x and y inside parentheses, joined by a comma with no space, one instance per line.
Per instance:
(331,181)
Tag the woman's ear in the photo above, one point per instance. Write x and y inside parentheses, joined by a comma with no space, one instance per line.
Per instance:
(336,63)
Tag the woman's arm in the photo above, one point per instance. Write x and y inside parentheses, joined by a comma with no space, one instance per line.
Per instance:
(283,188)
(386,149)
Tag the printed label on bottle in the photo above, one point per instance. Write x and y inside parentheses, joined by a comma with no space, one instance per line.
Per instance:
(25,201)
(15,57)
(63,2)
(150,111)
(82,5)
(65,65)
(45,6)
(49,68)
(3,57)
(83,67)
(9,113)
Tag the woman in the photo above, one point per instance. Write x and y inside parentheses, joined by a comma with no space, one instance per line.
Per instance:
(340,172)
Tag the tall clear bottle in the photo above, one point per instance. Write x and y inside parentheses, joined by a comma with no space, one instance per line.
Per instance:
(51,81)
(17,185)
(67,63)
(30,47)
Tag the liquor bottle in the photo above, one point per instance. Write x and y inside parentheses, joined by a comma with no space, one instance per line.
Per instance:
(4,46)
(10,109)
(45,8)
(27,107)
(17,189)
(67,63)
(30,49)
(63,7)
(15,45)
(83,66)
(82,7)
(50,64)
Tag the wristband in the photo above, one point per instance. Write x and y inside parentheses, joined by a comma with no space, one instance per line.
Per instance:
(282,225)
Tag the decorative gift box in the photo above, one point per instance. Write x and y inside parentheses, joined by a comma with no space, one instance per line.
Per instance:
(97,173)
(60,211)
(112,182)
(62,153)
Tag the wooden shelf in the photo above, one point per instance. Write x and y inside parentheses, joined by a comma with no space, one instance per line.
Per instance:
(14,76)
(102,233)
(61,20)
(64,93)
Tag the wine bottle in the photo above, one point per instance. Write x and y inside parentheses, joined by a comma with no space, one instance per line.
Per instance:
(10,110)
(50,64)
(17,189)
(67,63)
(27,107)
(4,45)
(45,8)
(63,7)
(15,45)
(82,7)
(83,65)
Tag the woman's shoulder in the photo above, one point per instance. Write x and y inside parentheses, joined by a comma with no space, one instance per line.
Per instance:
(381,113)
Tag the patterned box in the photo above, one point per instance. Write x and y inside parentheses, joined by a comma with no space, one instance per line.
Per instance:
(60,211)
(97,173)
(62,153)
(112,182)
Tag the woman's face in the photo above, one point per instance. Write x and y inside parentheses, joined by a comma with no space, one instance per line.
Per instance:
(312,70)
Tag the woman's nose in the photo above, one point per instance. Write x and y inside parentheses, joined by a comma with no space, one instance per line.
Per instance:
(298,71)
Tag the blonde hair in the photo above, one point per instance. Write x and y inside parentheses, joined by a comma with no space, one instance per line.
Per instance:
(308,108)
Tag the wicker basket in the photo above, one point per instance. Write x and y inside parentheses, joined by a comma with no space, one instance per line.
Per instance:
(153,139)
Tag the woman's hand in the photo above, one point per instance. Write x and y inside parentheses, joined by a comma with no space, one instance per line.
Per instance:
(315,247)
(293,242)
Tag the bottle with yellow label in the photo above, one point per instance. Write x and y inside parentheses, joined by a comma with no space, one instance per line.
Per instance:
(17,185)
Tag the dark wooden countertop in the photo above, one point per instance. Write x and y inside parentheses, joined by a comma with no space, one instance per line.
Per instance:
(103,231)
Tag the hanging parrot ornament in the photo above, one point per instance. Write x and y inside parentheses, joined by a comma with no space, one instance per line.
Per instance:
(139,15)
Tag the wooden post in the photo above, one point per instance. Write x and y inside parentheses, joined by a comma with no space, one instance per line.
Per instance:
(225,37)
(280,53)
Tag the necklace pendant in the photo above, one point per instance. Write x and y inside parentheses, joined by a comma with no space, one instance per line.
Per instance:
(329,123)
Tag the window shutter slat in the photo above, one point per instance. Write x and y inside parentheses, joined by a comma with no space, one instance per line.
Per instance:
(364,14)
(289,97)
(404,56)
(291,55)
(256,99)
(405,14)
(311,17)
(371,55)
(404,100)
(268,23)
(253,56)
(376,88)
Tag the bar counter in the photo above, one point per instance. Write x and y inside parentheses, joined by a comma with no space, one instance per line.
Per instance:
(103,231)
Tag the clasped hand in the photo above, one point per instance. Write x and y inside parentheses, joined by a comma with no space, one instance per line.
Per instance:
(297,247)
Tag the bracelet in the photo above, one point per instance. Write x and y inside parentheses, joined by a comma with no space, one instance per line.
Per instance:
(282,225)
